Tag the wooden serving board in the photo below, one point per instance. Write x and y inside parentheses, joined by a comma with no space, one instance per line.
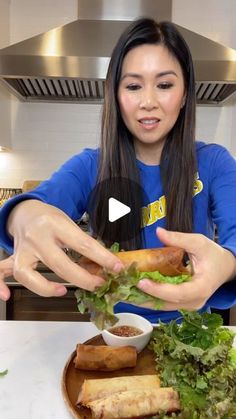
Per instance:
(73,378)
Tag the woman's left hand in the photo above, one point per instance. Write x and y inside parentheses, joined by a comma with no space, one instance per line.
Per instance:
(212,266)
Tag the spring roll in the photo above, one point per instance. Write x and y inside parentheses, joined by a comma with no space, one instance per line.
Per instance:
(166,260)
(105,358)
(95,389)
(136,403)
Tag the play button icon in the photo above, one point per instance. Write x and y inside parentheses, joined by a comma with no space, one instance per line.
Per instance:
(116,210)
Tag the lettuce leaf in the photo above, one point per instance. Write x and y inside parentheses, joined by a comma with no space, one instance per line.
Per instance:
(120,287)
(197,359)
(232,357)
(2,373)
(115,247)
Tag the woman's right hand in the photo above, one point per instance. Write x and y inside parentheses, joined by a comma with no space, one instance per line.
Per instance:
(40,233)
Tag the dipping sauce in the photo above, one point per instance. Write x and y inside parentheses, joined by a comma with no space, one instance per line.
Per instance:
(125,331)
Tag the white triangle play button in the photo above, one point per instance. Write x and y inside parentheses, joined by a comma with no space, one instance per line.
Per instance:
(116,209)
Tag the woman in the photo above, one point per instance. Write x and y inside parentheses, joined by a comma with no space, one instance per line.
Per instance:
(148,137)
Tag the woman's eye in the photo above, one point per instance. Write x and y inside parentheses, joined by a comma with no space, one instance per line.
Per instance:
(165,85)
(133,87)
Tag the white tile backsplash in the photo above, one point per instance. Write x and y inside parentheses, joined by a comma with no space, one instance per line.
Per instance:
(233,127)
(214,19)
(214,124)
(5,106)
(44,135)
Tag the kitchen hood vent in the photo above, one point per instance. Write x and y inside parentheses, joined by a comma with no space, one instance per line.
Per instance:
(69,63)
(92,91)
(64,90)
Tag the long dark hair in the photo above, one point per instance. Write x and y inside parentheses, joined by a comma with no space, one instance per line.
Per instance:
(117,154)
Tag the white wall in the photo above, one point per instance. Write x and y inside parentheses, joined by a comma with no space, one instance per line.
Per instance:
(45,135)
(214,124)
(31,17)
(5,107)
(214,19)
(233,129)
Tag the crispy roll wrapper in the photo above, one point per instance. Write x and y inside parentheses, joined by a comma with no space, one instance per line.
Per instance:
(105,358)
(129,404)
(95,389)
(166,260)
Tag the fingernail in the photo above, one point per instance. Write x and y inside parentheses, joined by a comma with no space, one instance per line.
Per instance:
(143,284)
(60,291)
(118,266)
(3,296)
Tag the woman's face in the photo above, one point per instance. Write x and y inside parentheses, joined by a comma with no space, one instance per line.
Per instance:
(150,94)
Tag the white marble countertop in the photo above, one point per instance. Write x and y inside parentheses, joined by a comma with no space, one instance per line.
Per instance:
(35,354)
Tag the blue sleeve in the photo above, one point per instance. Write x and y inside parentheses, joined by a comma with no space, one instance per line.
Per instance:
(223,211)
(68,189)
(224,297)
(223,197)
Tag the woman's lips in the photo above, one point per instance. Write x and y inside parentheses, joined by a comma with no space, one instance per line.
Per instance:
(149,123)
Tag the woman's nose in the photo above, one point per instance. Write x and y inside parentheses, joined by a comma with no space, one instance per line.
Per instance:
(149,99)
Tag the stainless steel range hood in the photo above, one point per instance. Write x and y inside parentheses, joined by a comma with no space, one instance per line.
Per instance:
(69,63)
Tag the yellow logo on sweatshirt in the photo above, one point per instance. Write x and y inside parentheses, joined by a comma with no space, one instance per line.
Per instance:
(154,211)
(157,210)
(198,185)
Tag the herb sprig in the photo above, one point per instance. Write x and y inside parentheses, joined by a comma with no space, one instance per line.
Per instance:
(2,373)
(197,359)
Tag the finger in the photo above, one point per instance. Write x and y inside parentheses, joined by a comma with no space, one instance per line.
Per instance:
(91,248)
(58,262)
(6,269)
(166,306)
(6,266)
(25,273)
(71,272)
(178,294)
(4,290)
(38,284)
(194,306)
(188,241)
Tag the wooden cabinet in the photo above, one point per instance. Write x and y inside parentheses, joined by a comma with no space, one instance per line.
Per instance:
(233,316)
(25,305)
(2,310)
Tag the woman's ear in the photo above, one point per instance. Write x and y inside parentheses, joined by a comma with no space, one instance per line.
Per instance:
(183,101)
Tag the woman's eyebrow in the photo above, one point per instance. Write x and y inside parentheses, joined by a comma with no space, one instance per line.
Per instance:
(166,73)
(158,75)
(137,76)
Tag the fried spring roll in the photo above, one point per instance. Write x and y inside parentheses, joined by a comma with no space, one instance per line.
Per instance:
(166,260)
(105,358)
(135,403)
(95,389)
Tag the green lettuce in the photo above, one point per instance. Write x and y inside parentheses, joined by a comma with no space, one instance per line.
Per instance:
(197,359)
(2,373)
(120,287)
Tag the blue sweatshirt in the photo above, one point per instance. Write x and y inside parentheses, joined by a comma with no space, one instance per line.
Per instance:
(214,205)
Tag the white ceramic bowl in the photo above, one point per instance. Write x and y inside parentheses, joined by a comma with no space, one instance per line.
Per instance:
(130,319)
